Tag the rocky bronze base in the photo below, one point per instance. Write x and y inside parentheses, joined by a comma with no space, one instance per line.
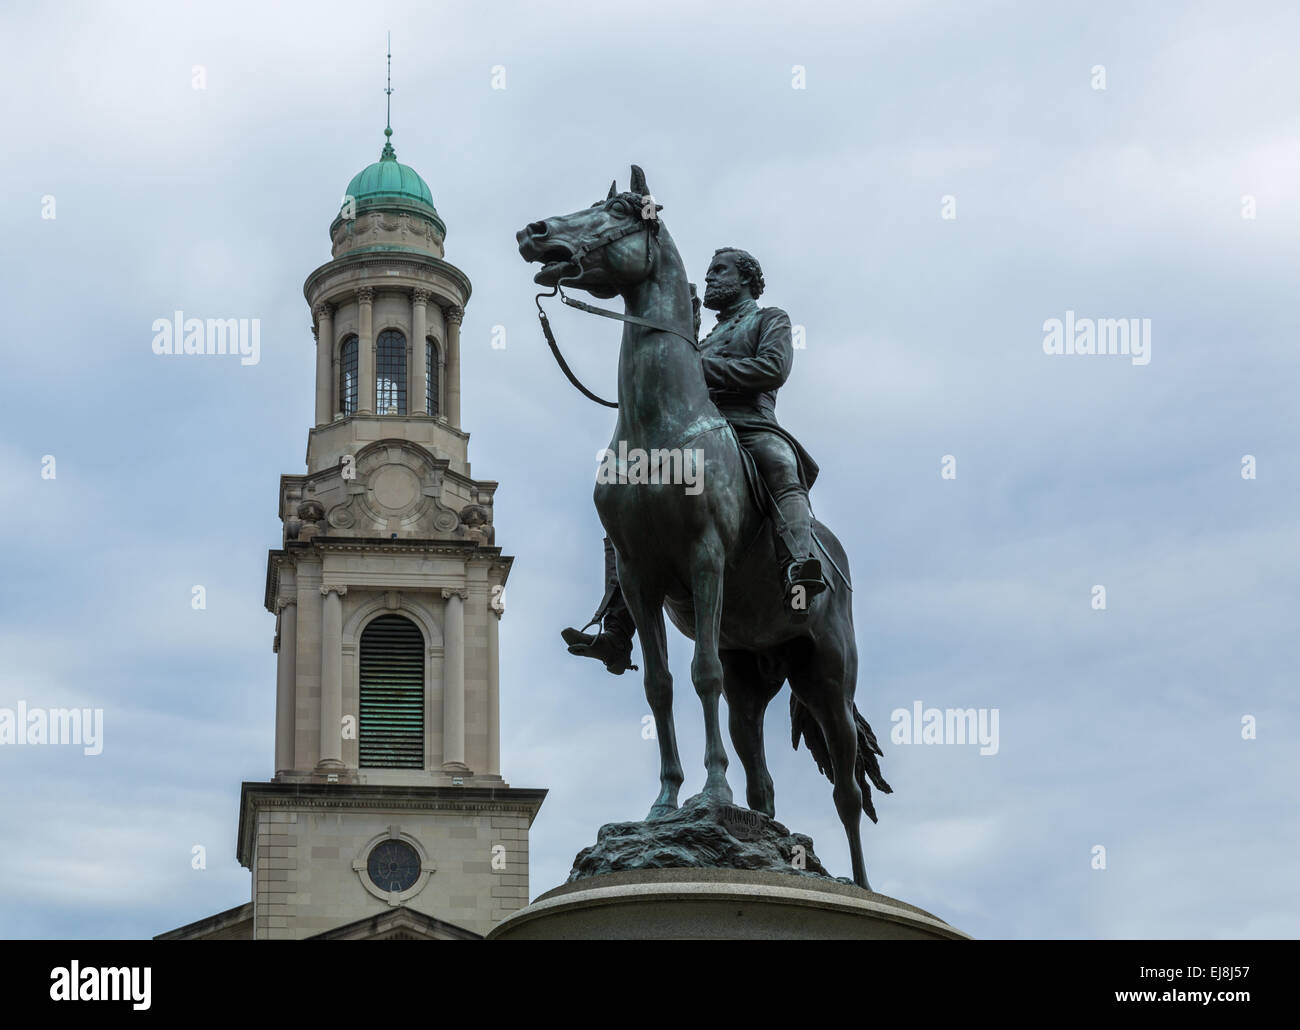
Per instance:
(702,834)
(718,904)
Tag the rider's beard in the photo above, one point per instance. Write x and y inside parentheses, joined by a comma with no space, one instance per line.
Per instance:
(718,295)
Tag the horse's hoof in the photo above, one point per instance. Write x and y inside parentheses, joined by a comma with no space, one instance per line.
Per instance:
(660,810)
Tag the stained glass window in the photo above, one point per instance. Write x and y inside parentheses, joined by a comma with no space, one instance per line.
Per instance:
(393,865)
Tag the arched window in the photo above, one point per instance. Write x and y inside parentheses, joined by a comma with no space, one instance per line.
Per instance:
(430,377)
(390,373)
(348,376)
(391,730)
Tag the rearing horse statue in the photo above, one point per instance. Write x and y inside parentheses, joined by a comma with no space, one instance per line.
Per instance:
(707,555)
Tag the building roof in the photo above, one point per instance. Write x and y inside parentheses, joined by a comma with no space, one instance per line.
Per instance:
(388,183)
(398,924)
(234,924)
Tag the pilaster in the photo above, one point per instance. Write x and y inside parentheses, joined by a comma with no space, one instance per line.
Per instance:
(416,394)
(365,351)
(453,685)
(323,328)
(454,314)
(331,709)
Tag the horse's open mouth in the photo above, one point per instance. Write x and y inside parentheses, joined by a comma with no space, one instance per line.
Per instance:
(555,260)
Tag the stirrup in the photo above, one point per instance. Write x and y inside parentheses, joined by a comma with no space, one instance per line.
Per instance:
(806,574)
(582,645)
(578,637)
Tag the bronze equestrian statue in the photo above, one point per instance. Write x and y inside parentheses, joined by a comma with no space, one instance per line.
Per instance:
(747,358)
(678,549)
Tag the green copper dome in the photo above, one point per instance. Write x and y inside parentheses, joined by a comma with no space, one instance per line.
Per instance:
(388,183)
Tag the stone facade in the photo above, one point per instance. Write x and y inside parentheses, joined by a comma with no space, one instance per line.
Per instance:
(307,845)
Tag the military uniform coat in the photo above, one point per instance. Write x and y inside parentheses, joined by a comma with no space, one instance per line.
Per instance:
(746,360)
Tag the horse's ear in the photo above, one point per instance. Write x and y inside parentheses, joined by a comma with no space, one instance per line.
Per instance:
(613,190)
(638,181)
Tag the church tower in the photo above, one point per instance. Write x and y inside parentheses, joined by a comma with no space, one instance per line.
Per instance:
(387,815)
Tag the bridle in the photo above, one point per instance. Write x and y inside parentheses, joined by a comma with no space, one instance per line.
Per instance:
(651,227)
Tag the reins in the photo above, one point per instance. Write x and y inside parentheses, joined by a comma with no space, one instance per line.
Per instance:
(559,358)
(591,309)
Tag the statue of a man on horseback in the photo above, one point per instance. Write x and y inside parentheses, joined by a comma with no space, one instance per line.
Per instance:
(746,359)
(707,557)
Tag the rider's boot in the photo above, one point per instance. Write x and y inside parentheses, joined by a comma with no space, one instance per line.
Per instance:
(803,570)
(612,645)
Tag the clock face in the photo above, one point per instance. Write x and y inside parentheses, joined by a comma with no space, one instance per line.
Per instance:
(393,865)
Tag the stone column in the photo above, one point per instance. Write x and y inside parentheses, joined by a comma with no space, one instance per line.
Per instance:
(331,680)
(365,352)
(454,316)
(324,330)
(286,680)
(453,681)
(306,719)
(495,610)
(419,330)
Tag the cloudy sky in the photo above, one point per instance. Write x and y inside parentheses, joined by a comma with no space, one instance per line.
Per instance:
(1119,728)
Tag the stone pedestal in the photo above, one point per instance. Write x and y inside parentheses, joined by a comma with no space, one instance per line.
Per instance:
(718,904)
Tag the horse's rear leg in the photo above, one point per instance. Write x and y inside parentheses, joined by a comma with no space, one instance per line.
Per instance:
(706,668)
(748,694)
(825,682)
(646,605)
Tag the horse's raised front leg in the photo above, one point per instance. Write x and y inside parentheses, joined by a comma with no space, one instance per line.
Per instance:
(647,607)
(707,562)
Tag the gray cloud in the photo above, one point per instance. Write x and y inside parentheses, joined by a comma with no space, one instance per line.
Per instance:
(1119,728)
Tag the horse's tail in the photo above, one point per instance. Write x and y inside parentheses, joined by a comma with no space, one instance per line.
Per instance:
(867,766)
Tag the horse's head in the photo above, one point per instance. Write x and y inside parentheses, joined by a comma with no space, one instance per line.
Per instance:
(603,249)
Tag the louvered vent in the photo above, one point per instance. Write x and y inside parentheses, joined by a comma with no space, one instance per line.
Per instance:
(392,694)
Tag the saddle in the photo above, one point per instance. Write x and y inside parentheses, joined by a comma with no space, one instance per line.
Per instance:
(762,499)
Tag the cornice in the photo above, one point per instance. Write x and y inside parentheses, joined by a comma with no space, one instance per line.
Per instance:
(390,259)
(519,801)
(273,561)
(421,418)
(466,550)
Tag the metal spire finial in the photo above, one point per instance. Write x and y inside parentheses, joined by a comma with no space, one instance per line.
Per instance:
(389,152)
(389,91)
